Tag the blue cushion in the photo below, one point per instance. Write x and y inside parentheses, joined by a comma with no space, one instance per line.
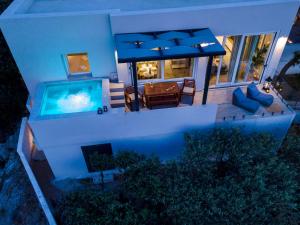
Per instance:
(239,99)
(255,94)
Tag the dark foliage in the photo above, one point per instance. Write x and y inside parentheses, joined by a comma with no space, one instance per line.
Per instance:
(223,178)
(13,93)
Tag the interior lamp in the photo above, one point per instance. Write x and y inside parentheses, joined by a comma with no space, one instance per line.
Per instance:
(267,84)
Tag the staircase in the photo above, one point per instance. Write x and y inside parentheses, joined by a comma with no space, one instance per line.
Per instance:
(117,99)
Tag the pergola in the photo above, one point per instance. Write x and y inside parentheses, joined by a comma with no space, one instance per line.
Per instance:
(163,45)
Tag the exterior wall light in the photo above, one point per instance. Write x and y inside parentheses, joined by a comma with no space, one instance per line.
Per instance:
(203,45)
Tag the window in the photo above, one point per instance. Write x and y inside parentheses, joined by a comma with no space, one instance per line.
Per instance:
(232,45)
(78,63)
(149,70)
(254,54)
(165,70)
(244,60)
(178,68)
(98,157)
(215,70)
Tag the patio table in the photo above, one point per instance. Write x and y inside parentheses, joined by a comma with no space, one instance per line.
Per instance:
(162,93)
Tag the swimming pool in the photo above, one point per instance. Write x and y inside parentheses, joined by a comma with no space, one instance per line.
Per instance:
(71,97)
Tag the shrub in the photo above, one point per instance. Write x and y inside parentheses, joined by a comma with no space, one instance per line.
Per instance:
(222,178)
(13,93)
(93,207)
(125,159)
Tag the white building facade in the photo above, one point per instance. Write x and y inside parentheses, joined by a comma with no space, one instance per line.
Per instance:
(66,40)
(41,34)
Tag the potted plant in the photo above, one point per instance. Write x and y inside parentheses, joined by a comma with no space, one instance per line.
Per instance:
(258,59)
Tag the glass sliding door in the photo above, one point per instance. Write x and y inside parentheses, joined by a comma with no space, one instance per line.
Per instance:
(231,45)
(254,55)
(215,70)
(244,61)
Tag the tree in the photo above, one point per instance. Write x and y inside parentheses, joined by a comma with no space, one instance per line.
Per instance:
(225,177)
(101,162)
(293,62)
(124,159)
(93,207)
(13,93)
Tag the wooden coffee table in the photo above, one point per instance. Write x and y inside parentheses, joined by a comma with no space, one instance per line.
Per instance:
(163,93)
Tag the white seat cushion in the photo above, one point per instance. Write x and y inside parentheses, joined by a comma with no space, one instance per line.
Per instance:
(188,90)
(132,96)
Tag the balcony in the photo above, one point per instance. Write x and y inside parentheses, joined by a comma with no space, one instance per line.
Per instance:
(227,111)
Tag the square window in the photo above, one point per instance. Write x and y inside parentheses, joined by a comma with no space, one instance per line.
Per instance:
(98,157)
(78,63)
(179,68)
(148,70)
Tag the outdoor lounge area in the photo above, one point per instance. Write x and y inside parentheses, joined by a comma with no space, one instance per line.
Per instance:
(175,44)
(223,97)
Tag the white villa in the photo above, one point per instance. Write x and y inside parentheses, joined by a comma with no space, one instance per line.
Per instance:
(101,73)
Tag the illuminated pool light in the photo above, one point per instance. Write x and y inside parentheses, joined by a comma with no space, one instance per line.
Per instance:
(72,97)
(75,102)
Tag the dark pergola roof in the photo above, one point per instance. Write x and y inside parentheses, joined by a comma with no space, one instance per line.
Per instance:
(136,47)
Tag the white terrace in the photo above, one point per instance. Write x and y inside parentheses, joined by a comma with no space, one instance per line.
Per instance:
(227,111)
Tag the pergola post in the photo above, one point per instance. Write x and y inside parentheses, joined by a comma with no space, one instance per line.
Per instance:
(135,84)
(207,79)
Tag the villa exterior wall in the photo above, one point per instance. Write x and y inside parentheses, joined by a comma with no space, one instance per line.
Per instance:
(39,44)
(159,131)
(223,20)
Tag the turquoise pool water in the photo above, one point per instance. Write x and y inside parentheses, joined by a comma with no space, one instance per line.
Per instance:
(72,97)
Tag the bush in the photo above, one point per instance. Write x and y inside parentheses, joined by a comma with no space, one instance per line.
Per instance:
(125,159)
(13,93)
(92,207)
(222,178)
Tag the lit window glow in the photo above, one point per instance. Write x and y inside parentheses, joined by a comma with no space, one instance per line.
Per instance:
(78,63)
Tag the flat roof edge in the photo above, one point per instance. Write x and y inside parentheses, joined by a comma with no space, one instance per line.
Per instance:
(13,7)
(212,6)
(57,14)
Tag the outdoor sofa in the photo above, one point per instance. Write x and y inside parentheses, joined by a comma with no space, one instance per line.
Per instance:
(239,99)
(255,94)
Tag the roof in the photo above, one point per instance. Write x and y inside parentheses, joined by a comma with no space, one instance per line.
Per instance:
(167,45)
(54,6)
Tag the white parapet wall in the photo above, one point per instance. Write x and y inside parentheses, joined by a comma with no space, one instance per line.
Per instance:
(24,149)
(158,131)
(276,125)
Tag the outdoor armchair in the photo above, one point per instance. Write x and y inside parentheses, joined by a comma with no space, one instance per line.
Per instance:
(255,94)
(188,88)
(130,97)
(239,99)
